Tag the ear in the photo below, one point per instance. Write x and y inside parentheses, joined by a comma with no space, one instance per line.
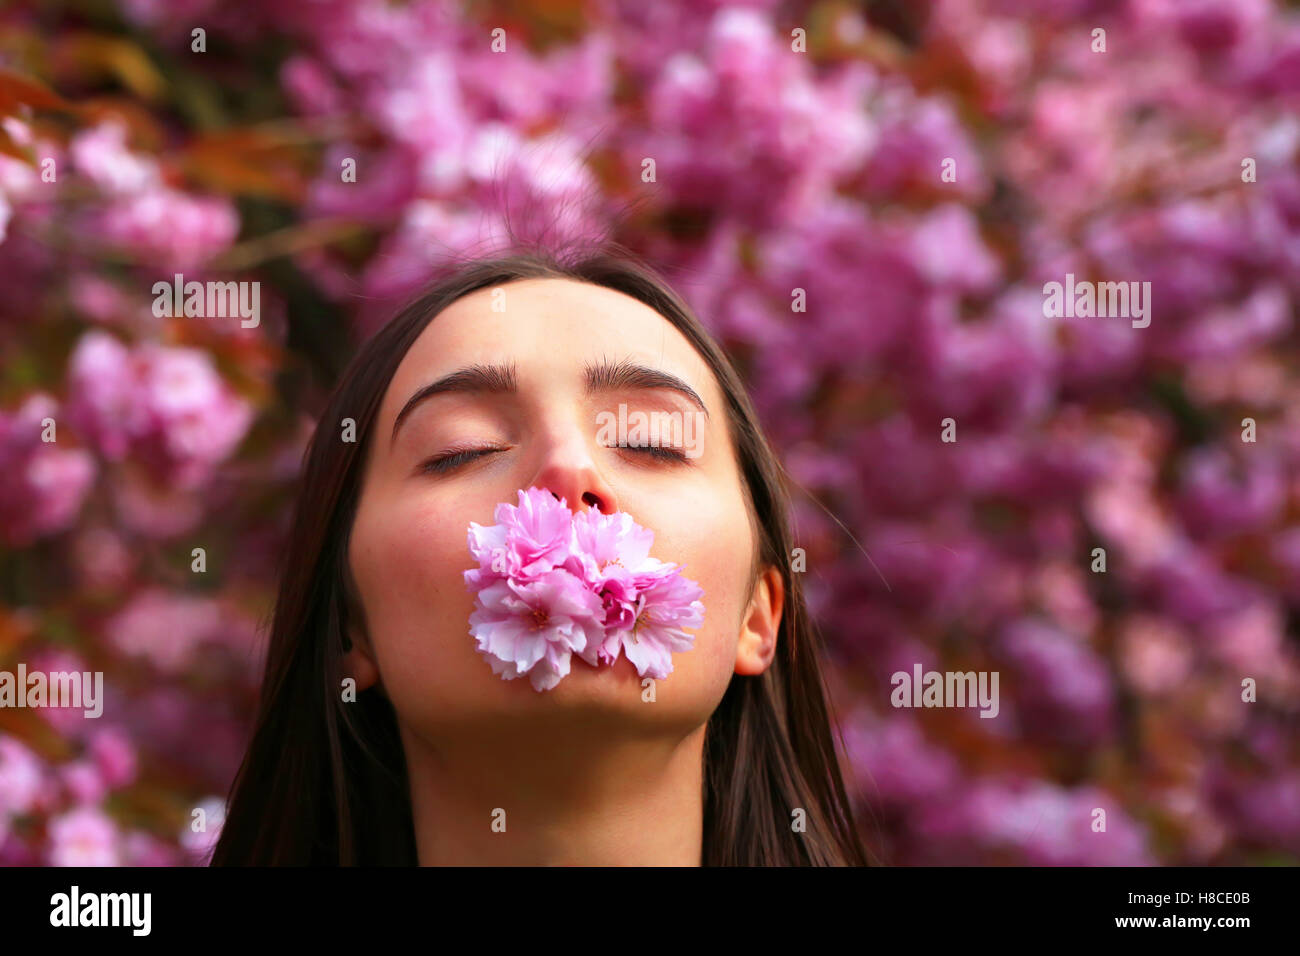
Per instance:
(359,659)
(762,622)
(359,662)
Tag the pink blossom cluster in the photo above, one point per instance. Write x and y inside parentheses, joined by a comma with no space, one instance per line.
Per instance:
(141,212)
(45,482)
(65,803)
(18,180)
(165,407)
(553,583)
(58,810)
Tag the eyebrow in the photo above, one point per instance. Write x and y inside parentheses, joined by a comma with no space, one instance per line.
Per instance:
(502,380)
(605,377)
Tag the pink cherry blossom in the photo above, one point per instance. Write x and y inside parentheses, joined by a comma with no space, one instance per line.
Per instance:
(534,627)
(551,584)
(46,481)
(84,837)
(101,155)
(168,407)
(666,604)
(83,782)
(114,756)
(529,539)
(21,778)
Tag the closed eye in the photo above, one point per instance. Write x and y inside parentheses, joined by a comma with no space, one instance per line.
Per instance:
(447,461)
(663,453)
(451,460)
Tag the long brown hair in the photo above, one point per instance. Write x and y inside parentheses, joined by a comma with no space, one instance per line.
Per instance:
(324,782)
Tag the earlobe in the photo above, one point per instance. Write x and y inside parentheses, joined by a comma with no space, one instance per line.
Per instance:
(762,624)
(359,664)
(359,658)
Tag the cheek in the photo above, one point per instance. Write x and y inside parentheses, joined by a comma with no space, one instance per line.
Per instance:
(714,544)
(408,564)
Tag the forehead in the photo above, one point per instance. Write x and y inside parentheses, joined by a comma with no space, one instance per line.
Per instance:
(548,328)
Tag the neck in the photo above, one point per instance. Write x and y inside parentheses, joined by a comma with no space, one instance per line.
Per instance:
(575,798)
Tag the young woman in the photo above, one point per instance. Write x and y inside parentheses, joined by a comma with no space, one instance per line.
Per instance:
(492,382)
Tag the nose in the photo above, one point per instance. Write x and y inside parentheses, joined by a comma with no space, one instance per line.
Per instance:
(568,471)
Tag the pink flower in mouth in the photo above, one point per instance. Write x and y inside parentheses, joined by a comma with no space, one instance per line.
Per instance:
(527,541)
(667,603)
(551,584)
(605,541)
(612,553)
(532,627)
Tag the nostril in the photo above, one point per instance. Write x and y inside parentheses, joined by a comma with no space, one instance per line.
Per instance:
(589,499)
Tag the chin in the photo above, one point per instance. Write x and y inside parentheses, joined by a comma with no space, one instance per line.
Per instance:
(610,684)
(613,693)
(587,692)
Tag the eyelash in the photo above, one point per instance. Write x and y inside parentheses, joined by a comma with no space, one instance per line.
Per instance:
(441,464)
(659,452)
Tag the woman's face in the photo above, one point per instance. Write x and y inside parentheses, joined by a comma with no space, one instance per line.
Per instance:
(408,547)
